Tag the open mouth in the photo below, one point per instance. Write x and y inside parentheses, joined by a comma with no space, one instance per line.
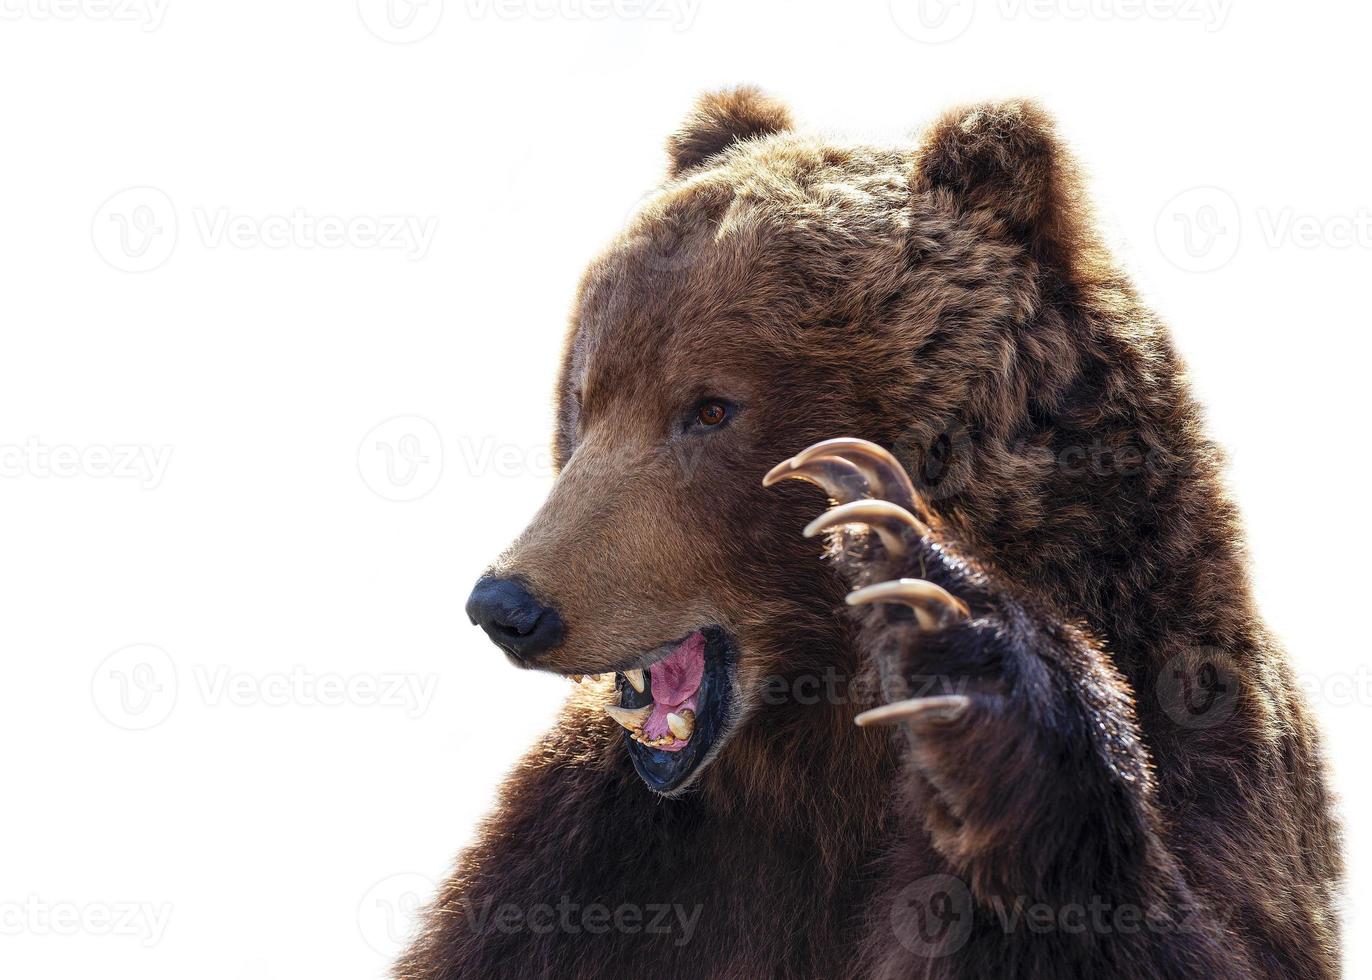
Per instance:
(674,711)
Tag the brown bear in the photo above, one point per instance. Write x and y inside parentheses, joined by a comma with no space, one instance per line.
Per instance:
(1080,753)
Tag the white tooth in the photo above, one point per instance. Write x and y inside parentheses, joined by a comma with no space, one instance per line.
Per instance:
(631,718)
(681,727)
(635,677)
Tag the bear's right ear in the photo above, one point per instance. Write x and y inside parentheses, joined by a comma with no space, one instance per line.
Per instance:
(1005,158)
(721,119)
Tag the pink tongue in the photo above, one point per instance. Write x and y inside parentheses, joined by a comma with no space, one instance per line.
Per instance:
(675,683)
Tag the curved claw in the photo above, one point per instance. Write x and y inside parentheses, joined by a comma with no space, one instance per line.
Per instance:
(886,478)
(935,607)
(883,517)
(947,707)
(840,479)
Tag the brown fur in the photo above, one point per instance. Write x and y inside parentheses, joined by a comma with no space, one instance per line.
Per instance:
(949,301)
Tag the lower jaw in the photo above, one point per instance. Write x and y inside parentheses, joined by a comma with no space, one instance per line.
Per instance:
(670,772)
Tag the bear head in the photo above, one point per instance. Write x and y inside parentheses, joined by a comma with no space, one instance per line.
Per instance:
(776,290)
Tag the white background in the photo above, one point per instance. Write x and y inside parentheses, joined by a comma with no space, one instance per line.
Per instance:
(207,803)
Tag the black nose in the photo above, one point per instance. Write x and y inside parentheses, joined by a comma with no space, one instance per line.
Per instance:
(518,623)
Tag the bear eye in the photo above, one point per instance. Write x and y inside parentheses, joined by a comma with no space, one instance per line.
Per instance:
(711,413)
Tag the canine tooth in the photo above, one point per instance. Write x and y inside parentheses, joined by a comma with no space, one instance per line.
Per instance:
(631,718)
(934,606)
(635,677)
(885,476)
(942,708)
(681,726)
(575,678)
(882,516)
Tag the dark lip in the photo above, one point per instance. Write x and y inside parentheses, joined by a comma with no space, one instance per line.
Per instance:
(666,772)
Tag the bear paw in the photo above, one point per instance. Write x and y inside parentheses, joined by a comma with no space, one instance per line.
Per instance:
(897,562)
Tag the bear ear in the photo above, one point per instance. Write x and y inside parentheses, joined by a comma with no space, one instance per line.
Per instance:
(1005,158)
(721,119)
